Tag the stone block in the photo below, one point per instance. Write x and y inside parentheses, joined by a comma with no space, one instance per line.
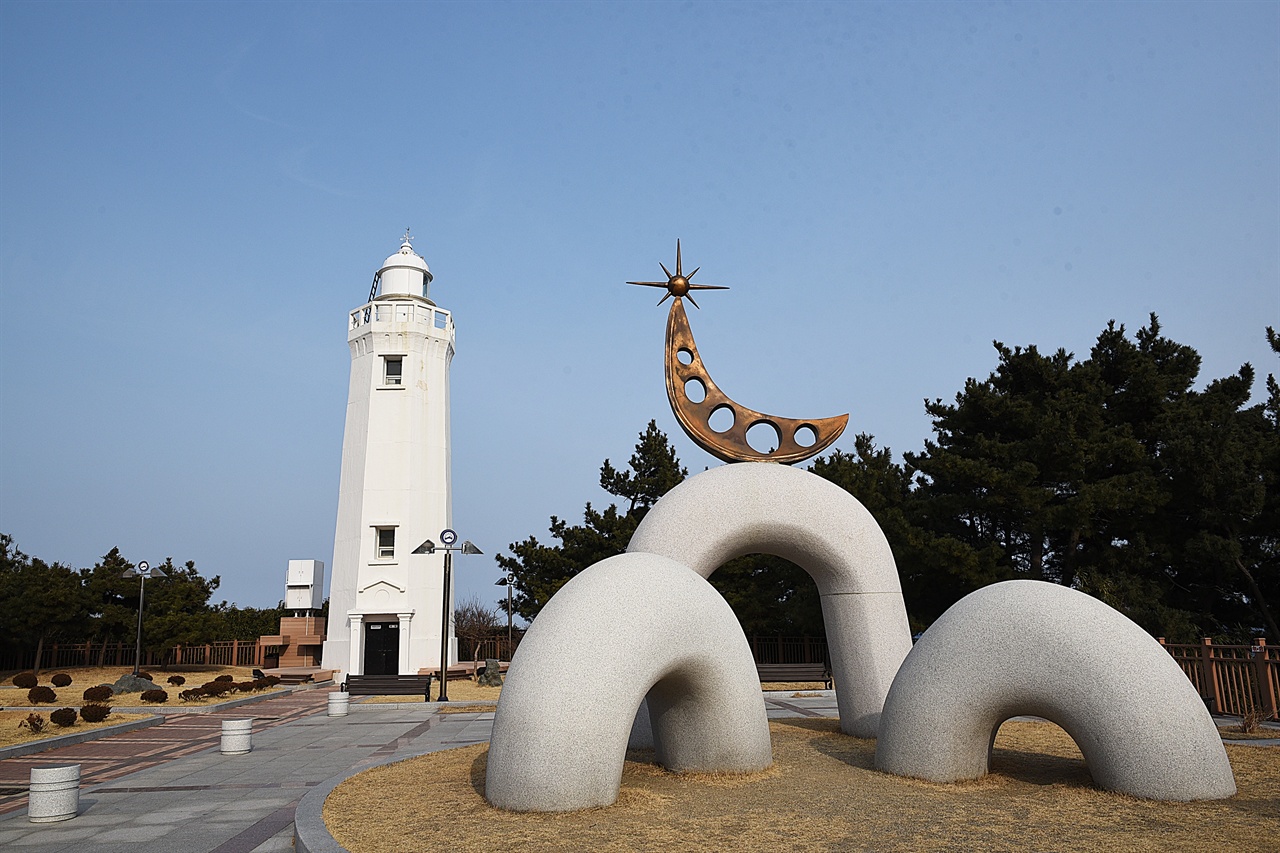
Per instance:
(54,793)
(1029,647)
(655,628)
(237,736)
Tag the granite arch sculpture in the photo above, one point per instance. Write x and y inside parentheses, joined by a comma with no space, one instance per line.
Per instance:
(671,637)
(759,507)
(1029,647)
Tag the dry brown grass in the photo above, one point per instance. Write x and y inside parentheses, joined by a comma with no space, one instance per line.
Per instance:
(1237,733)
(85,677)
(770,686)
(11,735)
(468,709)
(821,794)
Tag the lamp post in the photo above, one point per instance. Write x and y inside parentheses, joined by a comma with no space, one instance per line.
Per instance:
(508,580)
(448,537)
(142,571)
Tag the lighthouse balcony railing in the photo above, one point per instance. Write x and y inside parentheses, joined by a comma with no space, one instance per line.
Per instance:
(400,312)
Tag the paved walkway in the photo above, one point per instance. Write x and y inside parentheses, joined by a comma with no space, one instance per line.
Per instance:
(168,789)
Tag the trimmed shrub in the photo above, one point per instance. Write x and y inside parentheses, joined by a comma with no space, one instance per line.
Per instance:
(260,684)
(217,688)
(272,680)
(61,680)
(35,722)
(99,694)
(64,717)
(39,695)
(177,680)
(26,680)
(191,695)
(94,713)
(155,696)
(146,675)
(245,686)
(225,678)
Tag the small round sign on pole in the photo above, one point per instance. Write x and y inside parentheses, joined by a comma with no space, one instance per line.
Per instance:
(448,537)
(144,567)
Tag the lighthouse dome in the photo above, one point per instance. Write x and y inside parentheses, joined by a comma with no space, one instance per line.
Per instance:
(405,273)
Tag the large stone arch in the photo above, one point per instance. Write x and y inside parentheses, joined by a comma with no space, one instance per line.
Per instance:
(631,625)
(761,507)
(1029,647)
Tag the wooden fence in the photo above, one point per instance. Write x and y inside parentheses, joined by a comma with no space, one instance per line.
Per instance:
(1232,679)
(789,649)
(61,655)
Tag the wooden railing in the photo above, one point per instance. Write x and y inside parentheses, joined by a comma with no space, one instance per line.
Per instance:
(60,655)
(1232,679)
(789,649)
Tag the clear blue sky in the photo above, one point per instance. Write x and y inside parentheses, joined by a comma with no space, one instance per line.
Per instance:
(192,197)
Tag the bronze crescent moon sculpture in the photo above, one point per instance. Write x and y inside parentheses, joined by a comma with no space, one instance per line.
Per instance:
(730,444)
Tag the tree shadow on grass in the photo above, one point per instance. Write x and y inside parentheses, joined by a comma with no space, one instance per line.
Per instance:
(1038,768)
(478,768)
(830,741)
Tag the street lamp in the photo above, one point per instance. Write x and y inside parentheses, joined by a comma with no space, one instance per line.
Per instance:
(508,580)
(448,537)
(143,571)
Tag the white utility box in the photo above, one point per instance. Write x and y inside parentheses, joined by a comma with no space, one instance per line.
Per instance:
(304,587)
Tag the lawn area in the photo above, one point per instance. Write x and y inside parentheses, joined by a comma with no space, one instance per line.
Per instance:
(11,734)
(86,677)
(822,794)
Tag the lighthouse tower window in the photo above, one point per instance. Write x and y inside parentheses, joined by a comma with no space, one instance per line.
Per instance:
(386,543)
(392,370)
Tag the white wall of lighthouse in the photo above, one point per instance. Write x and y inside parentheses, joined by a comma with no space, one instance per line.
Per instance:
(385,602)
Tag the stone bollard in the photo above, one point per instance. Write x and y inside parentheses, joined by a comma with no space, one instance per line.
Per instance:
(339,703)
(237,736)
(55,793)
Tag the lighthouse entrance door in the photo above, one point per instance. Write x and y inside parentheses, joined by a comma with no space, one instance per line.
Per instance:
(381,648)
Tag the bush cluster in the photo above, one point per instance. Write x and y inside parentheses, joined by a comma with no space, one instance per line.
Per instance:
(177,680)
(35,722)
(38,695)
(94,713)
(146,675)
(154,696)
(61,679)
(25,680)
(226,684)
(99,694)
(64,717)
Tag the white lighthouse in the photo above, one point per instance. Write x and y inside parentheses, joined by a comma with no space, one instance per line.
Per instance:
(385,602)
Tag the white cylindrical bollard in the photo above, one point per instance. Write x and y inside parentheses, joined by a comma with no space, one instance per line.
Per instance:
(339,703)
(55,793)
(237,736)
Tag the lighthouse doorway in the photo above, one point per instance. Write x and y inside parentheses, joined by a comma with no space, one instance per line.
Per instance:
(381,648)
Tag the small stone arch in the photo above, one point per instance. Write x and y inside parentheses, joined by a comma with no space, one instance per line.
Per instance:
(762,507)
(629,626)
(1029,647)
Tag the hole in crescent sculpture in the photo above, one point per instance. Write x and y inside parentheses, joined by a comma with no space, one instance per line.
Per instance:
(702,419)
(695,391)
(721,419)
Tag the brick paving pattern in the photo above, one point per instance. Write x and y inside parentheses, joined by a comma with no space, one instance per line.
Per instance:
(180,735)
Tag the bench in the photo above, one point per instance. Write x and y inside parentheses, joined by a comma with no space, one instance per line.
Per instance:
(795,672)
(388,685)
